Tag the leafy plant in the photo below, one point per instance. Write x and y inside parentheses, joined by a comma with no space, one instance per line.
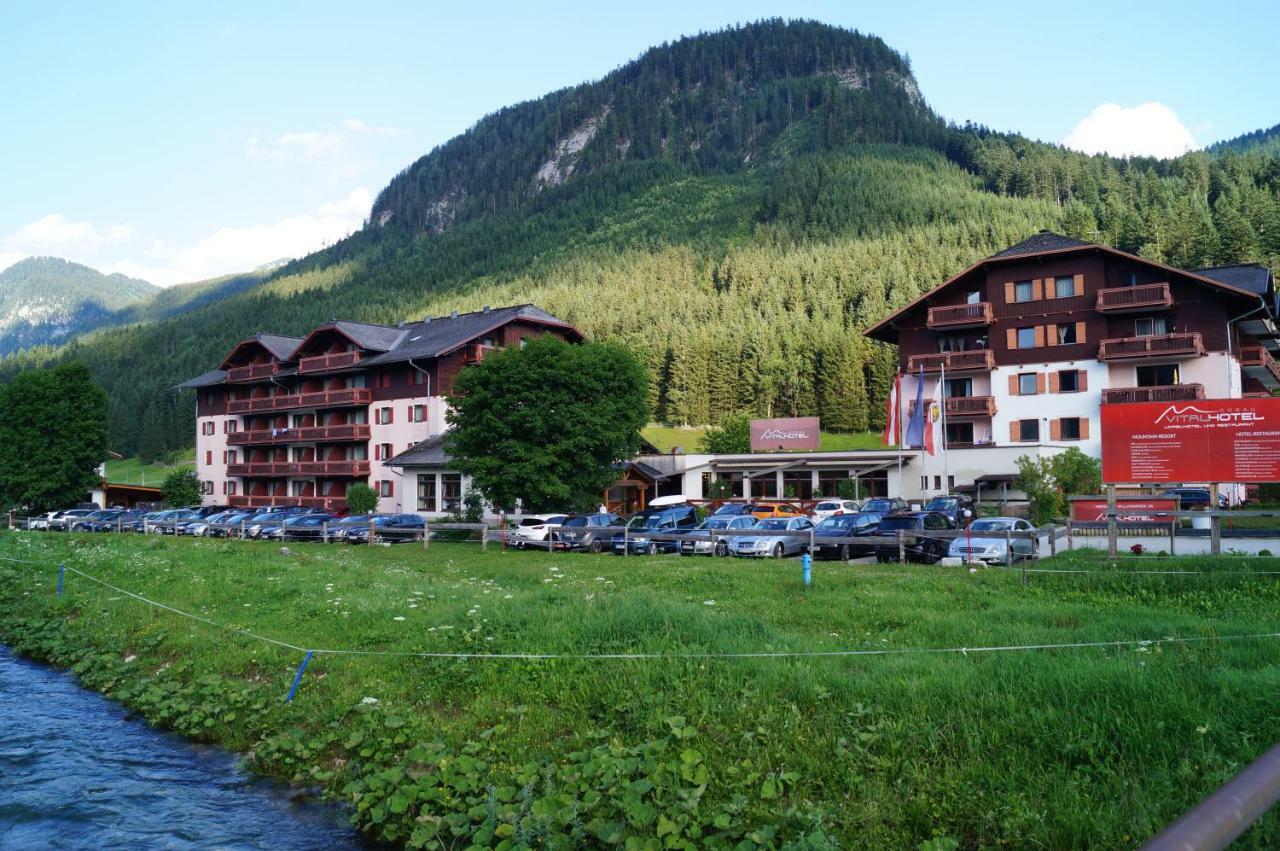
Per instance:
(731,437)
(361,499)
(181,487)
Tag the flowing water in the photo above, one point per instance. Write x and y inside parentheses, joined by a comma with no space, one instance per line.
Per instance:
(76,772)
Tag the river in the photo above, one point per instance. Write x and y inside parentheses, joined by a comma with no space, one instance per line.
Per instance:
(76,772)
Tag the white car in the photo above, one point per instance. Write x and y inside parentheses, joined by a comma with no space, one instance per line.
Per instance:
(985,541)
(832,507)
(722,524)
(774,546)
(534,529)
(42,521)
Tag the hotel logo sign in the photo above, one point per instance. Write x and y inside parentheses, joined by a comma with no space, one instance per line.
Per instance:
(786,433)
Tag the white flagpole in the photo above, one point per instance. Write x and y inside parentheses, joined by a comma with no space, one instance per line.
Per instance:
(942,402)
(897,418)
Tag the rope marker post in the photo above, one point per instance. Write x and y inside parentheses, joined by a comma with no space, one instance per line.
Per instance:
(807,561)
(293,689)
(61,569)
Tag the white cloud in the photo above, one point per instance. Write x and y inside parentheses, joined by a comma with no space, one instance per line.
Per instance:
(293,146)
(355,125)
(1148,129)
(226,250)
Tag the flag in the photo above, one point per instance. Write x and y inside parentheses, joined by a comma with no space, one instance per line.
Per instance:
(892,422)
(933,413)
(915,425)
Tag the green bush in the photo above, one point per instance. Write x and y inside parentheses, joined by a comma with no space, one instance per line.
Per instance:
(361,499)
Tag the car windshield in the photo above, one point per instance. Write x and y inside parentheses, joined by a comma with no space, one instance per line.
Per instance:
(909,521)
(827,506)
(644,521)
(941,503)
(575,522)
(715,523)
(381,521)
(842,521)
(878,504)
(731,508)
(355,519)
(868,519)
(991,525)
(775,525)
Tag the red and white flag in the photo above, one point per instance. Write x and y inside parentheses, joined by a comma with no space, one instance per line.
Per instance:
(892,422)
(932,420)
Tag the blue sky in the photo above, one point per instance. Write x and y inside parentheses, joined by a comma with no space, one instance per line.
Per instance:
(176,143)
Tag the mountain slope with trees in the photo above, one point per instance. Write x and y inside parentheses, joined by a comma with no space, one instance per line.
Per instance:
(735,207)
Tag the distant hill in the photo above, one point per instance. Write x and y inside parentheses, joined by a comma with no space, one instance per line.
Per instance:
(46,300)
(1265,141)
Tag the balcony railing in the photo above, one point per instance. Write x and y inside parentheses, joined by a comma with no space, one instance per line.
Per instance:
(1258,363)
(329,503)
(1162,393)
(976,359)
(308,434)
(326,363)
(273,469)
(323,399)
(966,406)
(1158,346)
(253,372)
(1135,298)
(961,315)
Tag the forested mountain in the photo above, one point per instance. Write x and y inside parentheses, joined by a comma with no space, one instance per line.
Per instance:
(1259,140)
(735,206)
(47,300)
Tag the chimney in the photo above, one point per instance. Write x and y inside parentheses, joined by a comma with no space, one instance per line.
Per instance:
(426,319)
(453,315)
(484,309)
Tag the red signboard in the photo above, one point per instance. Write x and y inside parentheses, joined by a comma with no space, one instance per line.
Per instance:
(790,433)
(1204,440)
(1131,509)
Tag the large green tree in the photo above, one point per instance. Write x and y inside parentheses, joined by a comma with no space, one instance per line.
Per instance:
(181,488)
(547,424)
(53,436)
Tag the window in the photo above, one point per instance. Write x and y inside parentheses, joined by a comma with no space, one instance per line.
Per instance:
(488,341)
(381,379)
(417,413)
(231,426)
(386,488)
(959,388)
(208,458)
(974,297)
(427,492)
(231,488)
(383,416)
(1067,334)
(1027,384)
(1069,381)
(1026,338)
(959,433)
(381,451)
(1028,431)
(1150,326)
(951,483)
(417,376)
(1128,279)
(1064,286)
(1023,291)
(937,483)
(952,343)
(206,428)
(450,491)
(1163,375)
(299,488)
(1069,428)
(207,488)
(924,483)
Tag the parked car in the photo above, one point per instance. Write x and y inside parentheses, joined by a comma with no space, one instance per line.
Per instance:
(111,520)
(200,527)
(144,521)
(655,521)
(534,529)
(848,528)
(733,509)
(761,510)
(775,546)
(885,505)
(389,528)
(959,509)
(81,523)
(300,527)
(731,523)
(1189,498)
(986,542)
(227,524)
(580,533)
(168,525)
(832,507)
(41,521)
(339,527)
(926,549)
(67,519)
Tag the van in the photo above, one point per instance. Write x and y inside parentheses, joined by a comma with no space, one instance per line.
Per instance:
(655,521)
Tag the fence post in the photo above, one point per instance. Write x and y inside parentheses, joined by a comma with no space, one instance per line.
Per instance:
(372,526)
(426,533)
(902,546)
(811,535)
(1112,531)
(484,537)
(626,540)
(1215,521)
(1071,543)
(324,531)
(1173,535)
(1053,541)
(713,543)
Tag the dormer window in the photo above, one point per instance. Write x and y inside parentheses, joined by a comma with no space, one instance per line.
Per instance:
(974,297)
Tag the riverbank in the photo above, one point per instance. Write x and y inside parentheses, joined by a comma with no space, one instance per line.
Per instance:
(1057,748)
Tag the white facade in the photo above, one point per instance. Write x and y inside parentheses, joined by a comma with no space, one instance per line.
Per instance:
(212,456)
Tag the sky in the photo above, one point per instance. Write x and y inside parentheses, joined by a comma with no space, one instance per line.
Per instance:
(177,142)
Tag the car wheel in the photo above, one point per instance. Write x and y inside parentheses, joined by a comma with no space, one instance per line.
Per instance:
(882,558)
(722,549)
(651,549)
(596,547)
(844,552)
(778,550)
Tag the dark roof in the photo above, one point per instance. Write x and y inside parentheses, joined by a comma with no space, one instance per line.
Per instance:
(1045,240)
(278,344)
(441,335)
(208,379)
(1253,277)
(378,338)
(428,453)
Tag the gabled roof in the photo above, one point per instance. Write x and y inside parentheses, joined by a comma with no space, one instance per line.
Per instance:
(428,453)
(278,346)
(1045,240)
(440,335)
(1066,245)
(1253,277)
(208,379)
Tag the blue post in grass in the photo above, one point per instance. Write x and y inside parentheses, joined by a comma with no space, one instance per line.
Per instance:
(61,569)
(807,561)
(297,679)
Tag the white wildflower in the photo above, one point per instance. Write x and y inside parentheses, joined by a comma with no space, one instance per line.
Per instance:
(708,602)
(398,618)
(369,701)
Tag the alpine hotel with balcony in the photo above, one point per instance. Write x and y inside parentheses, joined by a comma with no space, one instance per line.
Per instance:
(1036,338)
(285,420)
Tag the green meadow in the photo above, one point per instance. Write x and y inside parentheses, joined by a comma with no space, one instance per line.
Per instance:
(1050,748)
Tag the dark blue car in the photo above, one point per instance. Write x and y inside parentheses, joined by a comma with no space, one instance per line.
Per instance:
(655,521)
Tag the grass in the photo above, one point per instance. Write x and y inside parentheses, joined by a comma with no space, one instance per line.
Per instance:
(686,437)
(1052,748)
(135,471)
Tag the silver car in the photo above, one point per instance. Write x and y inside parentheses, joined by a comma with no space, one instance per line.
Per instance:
(774,546)
(720,523)
(985,541)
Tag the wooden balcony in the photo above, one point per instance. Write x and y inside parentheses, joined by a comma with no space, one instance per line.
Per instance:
(1162,393)
(312,434)
(329,503)
(330,362)
(965,406)
(961,315)
(974,360)
(284,402)
(1139,297)
(1256,362)
(276,469)
(253,372)
(1158,346)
